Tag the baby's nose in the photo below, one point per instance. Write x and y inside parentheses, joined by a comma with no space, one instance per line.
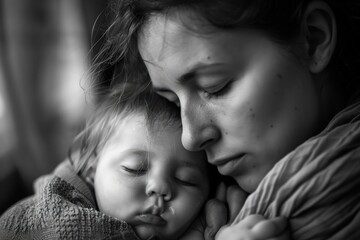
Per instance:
(159,187)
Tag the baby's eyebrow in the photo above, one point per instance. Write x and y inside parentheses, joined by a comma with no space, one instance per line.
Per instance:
(137,152)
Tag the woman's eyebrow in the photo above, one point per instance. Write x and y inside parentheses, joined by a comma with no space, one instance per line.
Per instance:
(190,74)
(193,71)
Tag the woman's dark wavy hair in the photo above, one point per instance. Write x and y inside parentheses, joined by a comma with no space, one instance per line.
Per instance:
(279,19)
(108,113)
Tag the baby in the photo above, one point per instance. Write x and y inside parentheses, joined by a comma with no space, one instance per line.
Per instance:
(140,172)
(131,179)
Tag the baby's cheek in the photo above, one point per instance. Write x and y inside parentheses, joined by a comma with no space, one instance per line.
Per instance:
(188,208)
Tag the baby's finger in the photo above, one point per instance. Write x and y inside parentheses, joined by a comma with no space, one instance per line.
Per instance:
(251,221)
(270,228)
(221,192)
(216,217)
(235,197)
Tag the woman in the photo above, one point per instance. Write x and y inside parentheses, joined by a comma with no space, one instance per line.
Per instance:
(269,90)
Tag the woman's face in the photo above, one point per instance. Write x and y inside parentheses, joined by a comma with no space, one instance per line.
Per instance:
(244,100)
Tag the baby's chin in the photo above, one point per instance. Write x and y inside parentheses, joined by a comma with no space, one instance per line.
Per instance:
(146,232)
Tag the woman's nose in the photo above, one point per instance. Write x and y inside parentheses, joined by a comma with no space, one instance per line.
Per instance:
(198,131)
(158,185)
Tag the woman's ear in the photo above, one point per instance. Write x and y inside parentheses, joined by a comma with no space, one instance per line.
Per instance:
(320,32)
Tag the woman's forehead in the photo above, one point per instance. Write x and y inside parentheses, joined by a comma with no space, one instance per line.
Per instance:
(169,30)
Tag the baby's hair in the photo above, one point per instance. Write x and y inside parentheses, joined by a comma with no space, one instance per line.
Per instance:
(114,106)
(281,20)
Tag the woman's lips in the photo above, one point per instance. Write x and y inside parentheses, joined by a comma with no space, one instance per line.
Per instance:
(230,166)
(224,160)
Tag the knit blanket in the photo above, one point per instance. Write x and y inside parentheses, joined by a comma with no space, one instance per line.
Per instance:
(62,207)
(317,186)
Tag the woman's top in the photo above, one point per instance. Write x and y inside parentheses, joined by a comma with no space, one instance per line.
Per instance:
(317,186)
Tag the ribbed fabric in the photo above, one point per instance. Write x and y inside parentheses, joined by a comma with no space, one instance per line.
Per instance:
(316,186)
(63,207)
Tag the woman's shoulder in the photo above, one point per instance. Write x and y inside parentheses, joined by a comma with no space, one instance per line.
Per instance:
(350,115)
(317,180)
(339,138)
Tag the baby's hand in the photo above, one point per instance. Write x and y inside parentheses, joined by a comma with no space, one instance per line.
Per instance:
(223,209)
(255,227)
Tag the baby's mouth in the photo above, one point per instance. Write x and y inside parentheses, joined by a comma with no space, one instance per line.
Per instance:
(158,213)
(152,219)
(157,216)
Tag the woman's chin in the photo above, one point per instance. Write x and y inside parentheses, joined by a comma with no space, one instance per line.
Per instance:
(247,184)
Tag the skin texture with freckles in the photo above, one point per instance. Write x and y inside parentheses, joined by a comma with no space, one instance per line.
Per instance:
(244,100)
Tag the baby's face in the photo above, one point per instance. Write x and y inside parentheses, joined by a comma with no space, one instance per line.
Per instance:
(149,180)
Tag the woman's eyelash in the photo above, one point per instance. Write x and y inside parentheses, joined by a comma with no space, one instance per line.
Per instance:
(218,92)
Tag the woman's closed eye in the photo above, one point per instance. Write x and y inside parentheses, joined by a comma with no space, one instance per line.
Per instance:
(170,96)
(217,90)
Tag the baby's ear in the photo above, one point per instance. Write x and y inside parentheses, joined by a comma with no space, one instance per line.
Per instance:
(320,32)
(90,175)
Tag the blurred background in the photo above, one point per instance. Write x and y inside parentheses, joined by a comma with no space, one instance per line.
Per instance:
(46,47)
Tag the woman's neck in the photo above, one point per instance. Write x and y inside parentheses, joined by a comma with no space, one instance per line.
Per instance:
(332,97)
